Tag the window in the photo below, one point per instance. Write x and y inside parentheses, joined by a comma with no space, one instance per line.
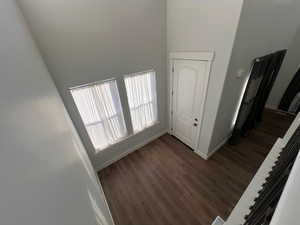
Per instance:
(141,93)
(101,112)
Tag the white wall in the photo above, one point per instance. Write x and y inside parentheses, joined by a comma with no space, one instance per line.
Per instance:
(92,40)
(46,177)
(287,72)
(205,25)
(265,26)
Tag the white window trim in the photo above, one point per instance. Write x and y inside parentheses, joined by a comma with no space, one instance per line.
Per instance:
(92,83)
(154,101)
(85,126)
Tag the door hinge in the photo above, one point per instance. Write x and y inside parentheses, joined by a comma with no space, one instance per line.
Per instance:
(171,112)
(172,93)
(173,69)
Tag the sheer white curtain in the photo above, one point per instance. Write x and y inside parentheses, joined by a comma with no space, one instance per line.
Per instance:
(101,111)
(141,94)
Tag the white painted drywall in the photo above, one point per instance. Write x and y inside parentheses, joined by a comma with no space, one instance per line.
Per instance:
(91,40)
(265,26)
(287,72)
(205,25)
(46,177)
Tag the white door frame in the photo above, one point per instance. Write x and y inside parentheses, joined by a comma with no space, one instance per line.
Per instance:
(196,56)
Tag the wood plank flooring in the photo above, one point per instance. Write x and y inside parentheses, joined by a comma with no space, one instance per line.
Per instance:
(165,183)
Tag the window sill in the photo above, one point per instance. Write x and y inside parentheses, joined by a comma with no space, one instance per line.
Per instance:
(146,128)
(97,151)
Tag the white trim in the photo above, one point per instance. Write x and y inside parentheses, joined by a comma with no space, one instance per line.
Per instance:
(206,156)
(97,151)
(202,155)
(287,209)
(273,107)
(140,73)
(199,56)
(219,146)
(292,129)
(92,84)
(130,150)
(206,83)
(218,221)
(241,209)
(170,93)
(277,110)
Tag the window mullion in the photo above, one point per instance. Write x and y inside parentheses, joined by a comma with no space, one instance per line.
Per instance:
(99,106)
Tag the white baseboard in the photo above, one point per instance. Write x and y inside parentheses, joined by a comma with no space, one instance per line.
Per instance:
(130,150)
(150,139)
(202,155)
(218,221)
(220,145)
(274,107)
(215,149)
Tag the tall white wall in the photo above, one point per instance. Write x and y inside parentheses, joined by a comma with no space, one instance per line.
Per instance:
(287,72)
(46,177)
(205,25)
(91,40)
(265,26)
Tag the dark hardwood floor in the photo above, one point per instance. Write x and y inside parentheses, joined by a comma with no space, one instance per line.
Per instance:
(164,183)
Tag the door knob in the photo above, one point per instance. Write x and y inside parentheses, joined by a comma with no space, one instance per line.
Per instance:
(195,124)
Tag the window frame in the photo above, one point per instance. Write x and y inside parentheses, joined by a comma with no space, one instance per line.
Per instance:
(154,101)
(117,115)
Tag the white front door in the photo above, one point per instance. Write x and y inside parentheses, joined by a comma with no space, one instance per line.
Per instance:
(188,99)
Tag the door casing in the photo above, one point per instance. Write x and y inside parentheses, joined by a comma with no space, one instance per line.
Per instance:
(206,57)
